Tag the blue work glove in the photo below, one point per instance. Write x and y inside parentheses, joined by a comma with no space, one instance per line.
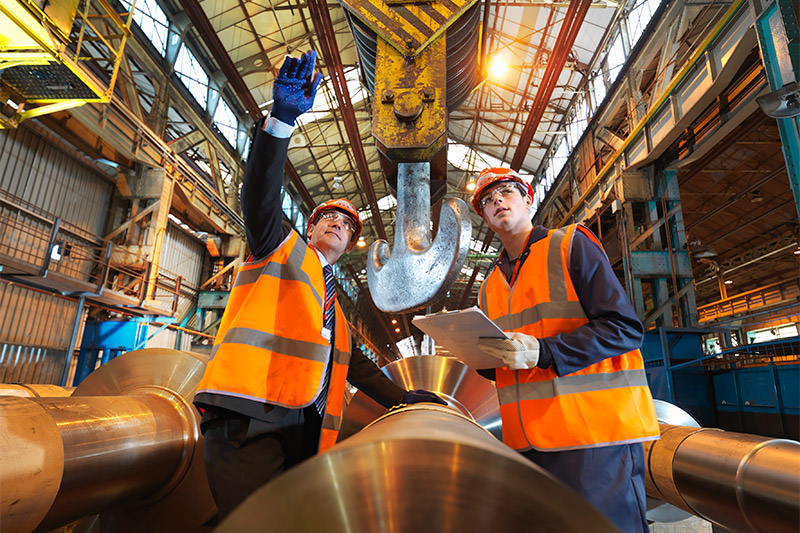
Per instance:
(295,87)
(421,395)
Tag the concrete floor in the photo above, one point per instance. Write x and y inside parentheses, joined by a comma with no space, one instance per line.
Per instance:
(693,524)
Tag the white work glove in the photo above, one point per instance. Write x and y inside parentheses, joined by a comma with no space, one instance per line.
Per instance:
(518,352)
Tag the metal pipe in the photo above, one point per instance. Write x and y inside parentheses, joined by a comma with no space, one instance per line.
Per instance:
(740,482)
(125,444)
(34,390)
(422,467)
(114,449)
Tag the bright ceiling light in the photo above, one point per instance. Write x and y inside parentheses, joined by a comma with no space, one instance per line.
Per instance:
(498,66)
(361,242)
(397,330)
(470,185)
(394,321)
(728,282)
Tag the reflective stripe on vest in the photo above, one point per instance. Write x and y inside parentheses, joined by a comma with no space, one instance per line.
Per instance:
(571,384)
(540,409)
(270,347)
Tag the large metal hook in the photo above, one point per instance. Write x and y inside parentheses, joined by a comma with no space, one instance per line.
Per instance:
(416,272)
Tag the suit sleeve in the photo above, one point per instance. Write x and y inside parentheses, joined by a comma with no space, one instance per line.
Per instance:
(261,192)
(613,326)
(366,376)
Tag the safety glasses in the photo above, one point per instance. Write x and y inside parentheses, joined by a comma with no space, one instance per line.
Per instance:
(346,221)
(504,189)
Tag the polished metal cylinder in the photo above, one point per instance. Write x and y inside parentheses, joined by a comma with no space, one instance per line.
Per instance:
(738,481)
(31,462)
(126,444)
(462,388)
(423,467)
(115,449)
(35,390)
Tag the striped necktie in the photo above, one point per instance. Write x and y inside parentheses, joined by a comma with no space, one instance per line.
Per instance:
(327,320)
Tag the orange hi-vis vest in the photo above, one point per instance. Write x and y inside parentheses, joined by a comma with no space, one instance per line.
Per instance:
(607,403)
(271,347)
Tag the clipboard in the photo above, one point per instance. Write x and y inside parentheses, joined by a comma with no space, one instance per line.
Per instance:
(458,333)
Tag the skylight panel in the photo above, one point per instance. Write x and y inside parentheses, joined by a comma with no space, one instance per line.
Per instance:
(152,20)
(468,159)
(476,246)
(192,75)
(227,122)
(325,100)
(387,202)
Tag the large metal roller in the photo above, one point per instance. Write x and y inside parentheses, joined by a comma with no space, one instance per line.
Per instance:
(34,390)
(126,444)
(738,481)
(418,468)
(741,482)
(462,387)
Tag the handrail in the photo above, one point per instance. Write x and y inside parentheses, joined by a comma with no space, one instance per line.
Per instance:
(728,306)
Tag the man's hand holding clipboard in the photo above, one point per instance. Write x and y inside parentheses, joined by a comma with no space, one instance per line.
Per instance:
(519,351)
(461,333)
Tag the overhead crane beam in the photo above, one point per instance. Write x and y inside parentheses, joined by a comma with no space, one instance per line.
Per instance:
(330,52)
(576,12)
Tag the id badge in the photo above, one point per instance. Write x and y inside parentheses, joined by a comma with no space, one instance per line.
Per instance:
(326,333)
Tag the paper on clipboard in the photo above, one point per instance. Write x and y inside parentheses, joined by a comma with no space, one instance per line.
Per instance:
(459,331)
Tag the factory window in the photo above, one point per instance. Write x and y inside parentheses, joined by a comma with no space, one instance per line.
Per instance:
(615,58)
(152,20)
(192,75)
(640,14)
(598,85)
(577,125)
(467,159)
(291,208)
(227,122)
(768,334)
(559,159)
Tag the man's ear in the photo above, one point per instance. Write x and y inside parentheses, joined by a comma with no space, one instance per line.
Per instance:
(310,231)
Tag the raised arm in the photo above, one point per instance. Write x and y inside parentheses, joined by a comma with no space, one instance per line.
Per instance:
(293,94)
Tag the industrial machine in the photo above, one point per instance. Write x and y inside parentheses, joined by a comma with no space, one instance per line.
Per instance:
(419,59)
(123,452)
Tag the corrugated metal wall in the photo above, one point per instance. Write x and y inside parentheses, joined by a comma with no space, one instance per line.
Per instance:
(34,335)
(35,328)
(182,255)
(48,177)
(166,339)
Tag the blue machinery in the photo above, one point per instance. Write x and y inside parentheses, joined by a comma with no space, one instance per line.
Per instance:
(110,339)
(753,388)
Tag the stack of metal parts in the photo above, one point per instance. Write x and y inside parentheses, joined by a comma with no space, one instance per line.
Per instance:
(123,453)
